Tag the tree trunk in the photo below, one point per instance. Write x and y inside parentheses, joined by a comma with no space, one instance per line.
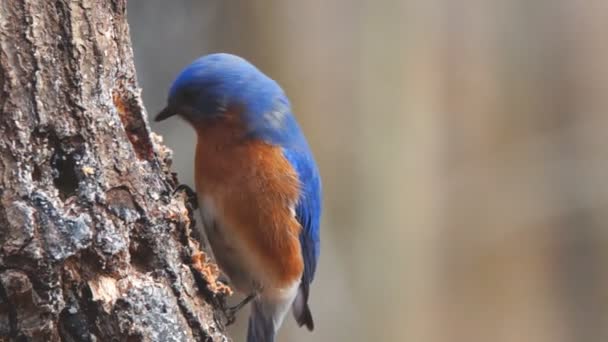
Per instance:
(94,246)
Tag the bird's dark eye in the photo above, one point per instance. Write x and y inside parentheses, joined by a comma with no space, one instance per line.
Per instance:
(188,96)
(198,103)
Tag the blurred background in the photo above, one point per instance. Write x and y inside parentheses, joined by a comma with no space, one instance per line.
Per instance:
(462,146)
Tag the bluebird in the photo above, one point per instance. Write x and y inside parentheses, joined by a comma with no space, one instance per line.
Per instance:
(257,184)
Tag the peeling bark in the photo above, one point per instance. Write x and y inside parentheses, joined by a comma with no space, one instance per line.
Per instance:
(94,246)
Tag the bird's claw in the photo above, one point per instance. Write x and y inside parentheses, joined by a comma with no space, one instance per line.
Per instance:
(230,316)
(230,312)
(190,194)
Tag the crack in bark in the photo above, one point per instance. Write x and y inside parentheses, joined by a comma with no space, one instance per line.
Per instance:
(33,52)
(193,321)
(68,50)
(12,311)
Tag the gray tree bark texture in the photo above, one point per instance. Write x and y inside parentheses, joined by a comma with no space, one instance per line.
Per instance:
(94,245)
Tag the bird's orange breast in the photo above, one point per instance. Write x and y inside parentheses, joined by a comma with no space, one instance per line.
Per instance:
(255,190)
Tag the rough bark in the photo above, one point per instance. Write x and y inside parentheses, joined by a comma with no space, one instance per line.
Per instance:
(94,245)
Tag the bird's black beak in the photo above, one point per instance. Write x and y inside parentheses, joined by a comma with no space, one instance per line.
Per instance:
(166,113)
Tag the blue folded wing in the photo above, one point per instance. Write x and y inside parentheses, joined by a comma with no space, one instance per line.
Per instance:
(308,213)
(308,210)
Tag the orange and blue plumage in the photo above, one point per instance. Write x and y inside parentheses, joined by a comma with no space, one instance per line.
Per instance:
(257,184)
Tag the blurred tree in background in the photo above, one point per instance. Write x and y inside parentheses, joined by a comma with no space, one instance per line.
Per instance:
(461,144)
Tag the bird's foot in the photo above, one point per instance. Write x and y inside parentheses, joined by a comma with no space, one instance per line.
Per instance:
(190,194)
(222,278)
(230,312)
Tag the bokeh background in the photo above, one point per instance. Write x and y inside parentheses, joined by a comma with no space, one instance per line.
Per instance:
(463,147)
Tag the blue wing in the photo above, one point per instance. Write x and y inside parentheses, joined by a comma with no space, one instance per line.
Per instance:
(308,213)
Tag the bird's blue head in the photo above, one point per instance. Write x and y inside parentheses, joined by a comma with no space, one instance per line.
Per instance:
(219,83)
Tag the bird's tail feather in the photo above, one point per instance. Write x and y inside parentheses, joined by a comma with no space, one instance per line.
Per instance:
(301,311)
(262,327)
(267,314)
